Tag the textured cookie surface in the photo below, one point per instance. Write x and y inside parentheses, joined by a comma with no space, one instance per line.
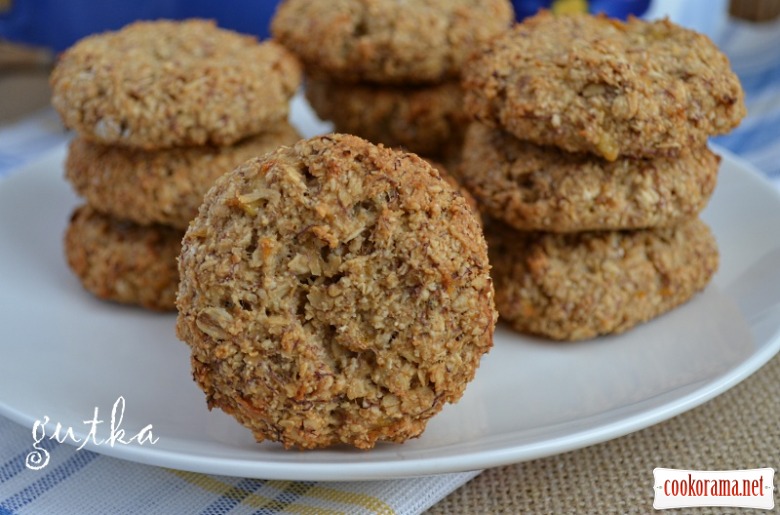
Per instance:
(531,187)
(387,41)
(450,179)
(591,84)
(582,285)
(334,292)
(162,186)
(163,84)
(427,120)
(124,262)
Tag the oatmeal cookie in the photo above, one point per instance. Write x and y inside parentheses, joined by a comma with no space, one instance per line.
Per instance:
(582,285)
(334,292)
(123,262)
(531,187)
(426,120)
(162,84)
(591,84)
(386,41)
(161,186)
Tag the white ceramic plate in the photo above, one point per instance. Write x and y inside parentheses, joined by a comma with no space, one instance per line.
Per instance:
(65,353)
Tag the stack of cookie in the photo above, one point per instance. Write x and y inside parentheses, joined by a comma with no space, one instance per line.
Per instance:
(589,148)
(161,110)
(389,71)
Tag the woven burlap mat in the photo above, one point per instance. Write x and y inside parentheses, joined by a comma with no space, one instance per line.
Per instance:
(737,430)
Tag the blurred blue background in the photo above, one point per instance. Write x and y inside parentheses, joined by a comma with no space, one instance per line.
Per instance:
(58,24)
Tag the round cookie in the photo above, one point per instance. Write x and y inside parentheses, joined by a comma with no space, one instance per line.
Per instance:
(531,187)
(582,285)
(163,186)
(124,262)
(592,84)
(426,120)
(334,292)
(387,41)
(163,84)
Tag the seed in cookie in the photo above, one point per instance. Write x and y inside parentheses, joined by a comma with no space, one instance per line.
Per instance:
(582,285)
(591,84)
(124,262)
(387,41)
(334,292)
(162,84)
(160,186)
(531,187)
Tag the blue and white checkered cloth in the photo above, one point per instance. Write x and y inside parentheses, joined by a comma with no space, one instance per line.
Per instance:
(753,50)
(84,482)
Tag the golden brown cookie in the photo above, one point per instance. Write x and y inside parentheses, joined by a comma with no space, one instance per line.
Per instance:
(531,187)
(334,292)
(427,120)
(582,285)
(161,186)
(123,262)
(163,84)
(386,41)
(592,84)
